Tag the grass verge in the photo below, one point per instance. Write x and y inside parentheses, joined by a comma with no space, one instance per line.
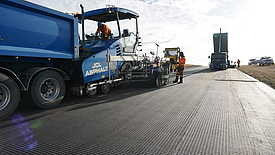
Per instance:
(265,74)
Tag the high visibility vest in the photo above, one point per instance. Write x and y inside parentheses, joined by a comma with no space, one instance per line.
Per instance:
(105,30)
(182,62)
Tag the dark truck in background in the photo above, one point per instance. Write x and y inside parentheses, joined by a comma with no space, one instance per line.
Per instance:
(219,59)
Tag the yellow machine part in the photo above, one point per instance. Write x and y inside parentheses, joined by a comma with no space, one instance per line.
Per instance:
(172,53)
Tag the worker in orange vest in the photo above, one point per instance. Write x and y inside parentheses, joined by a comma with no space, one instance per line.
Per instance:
(104,29)
(180,68)
(238,63)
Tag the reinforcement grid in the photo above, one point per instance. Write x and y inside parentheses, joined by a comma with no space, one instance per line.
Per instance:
(195,124)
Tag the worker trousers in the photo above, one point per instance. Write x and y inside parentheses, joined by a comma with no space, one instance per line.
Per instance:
(179,73)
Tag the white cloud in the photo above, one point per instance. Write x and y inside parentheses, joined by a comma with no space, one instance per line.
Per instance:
(190,24)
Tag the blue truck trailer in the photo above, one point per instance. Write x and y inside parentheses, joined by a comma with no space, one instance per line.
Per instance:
(42,54)
(219,59)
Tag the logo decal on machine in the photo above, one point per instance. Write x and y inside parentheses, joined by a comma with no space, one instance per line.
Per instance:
(97,68)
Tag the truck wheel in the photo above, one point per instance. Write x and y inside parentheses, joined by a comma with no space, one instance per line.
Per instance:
(166,81)
(9,95)
(47,89)
(126,66)
(158,81)
(90,92)
(104,88)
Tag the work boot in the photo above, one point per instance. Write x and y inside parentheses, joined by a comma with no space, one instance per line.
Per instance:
(180,80)
(176,80)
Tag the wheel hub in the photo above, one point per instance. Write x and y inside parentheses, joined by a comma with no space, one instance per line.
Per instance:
(5,96)
(50,89)
(44,88)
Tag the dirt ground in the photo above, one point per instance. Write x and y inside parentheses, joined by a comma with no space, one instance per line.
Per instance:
(265,74)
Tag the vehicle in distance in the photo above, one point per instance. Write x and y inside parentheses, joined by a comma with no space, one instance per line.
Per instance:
(266,61)
(219,60)
(231,64)
(253,62)
(173,54)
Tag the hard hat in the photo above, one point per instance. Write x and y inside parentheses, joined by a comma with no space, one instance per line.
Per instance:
(181,54)
(99,24)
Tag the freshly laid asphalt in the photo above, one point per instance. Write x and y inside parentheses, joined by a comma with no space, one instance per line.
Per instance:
(211,112)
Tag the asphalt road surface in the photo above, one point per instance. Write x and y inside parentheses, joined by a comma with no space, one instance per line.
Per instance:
(212,112)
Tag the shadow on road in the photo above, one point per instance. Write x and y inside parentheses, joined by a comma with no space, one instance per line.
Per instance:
(72,102)
(232,80)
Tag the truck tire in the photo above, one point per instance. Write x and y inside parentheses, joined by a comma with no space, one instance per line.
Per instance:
(166,81)
(90,92)
(158,81)
(9,95)
(104,88)
(47,89)
(125,67)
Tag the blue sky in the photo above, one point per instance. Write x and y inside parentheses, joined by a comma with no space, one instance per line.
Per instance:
(190,24)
